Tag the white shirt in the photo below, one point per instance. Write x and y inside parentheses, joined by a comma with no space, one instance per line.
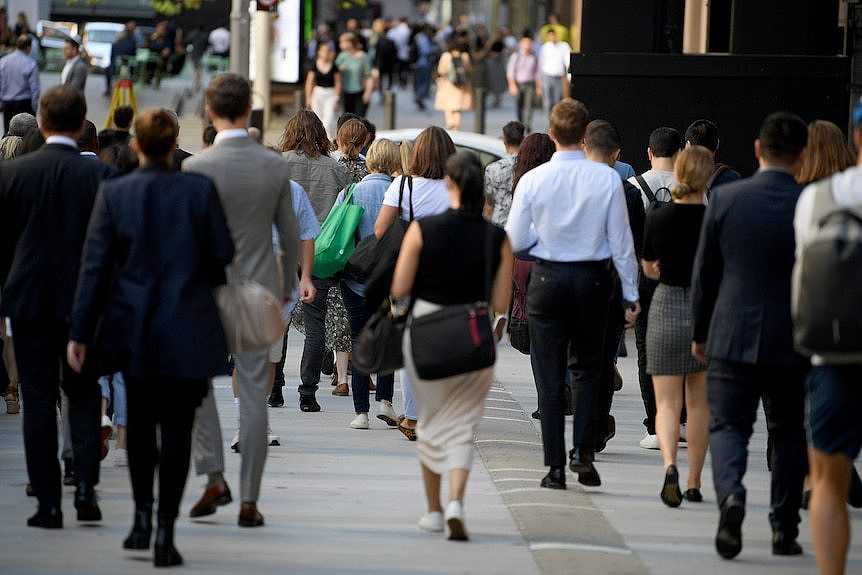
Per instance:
(430,197)
(219,40)
(400,35)
(230,134)
(67,67)
(655,179)
(574,210)
(554,58)
(62,140)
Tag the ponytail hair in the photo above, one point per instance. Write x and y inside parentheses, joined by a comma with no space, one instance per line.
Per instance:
(465,170)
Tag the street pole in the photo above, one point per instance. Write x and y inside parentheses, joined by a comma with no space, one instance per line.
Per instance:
(262,46)
(239,28)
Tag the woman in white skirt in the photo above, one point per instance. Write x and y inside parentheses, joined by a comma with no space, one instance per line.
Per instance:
(443,261)
(671,234)
(323,88)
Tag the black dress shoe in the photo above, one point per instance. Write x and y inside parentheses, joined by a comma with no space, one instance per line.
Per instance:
(29,490)
(581,462)
(602,441)
(694,495)
(276,399)
(142,529)
(47,518)
(537,414)
(670,493)
(308,403)
(728,540)
(85,503)
(555,479)
(783,544)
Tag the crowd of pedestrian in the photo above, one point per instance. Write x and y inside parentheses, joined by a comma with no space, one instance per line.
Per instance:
(692,256)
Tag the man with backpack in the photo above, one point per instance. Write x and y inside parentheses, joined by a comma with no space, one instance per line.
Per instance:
(825,296)
(654,185)
(740,295)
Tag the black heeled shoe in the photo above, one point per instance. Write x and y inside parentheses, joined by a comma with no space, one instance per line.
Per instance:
(165,554)
(142,529)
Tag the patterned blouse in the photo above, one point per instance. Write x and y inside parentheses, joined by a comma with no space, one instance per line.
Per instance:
(356,167)
(498,188)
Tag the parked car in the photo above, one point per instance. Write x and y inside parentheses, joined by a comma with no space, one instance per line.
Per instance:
(97,41)
(489,149)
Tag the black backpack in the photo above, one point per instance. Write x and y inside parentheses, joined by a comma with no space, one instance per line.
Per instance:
(457,71)
(653,196)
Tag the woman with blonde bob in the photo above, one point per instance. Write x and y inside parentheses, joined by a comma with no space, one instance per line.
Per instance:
(671,235)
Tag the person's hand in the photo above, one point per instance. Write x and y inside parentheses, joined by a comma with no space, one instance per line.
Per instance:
(698,350)
(632,314)
(513,90)
(538,92)
(336,103)
(307,291)
(76,353)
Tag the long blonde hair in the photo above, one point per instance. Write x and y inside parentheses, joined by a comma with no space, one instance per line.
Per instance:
(693,168)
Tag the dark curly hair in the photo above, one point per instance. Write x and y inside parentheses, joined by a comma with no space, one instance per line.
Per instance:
(536,149)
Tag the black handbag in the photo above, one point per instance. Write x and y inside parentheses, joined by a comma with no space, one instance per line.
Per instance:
(378,347)
(519,335)
(457,338)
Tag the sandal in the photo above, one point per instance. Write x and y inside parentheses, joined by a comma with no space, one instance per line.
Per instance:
(408,432)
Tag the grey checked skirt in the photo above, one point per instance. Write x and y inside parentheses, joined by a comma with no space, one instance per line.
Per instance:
(669,333)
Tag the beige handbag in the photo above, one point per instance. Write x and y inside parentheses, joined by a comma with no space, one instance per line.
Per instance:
(250,315)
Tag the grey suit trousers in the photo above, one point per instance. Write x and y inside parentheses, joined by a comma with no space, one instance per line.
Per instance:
(252,377)
(207,446)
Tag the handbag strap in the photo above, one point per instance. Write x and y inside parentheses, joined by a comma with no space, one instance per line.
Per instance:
(409,181)
(348,197)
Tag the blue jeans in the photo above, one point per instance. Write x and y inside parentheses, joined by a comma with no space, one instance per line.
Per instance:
(422,82)
(552,91)
(118,384)
(385,382)
(568,306)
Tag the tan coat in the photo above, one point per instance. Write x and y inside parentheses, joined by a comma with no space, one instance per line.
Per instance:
(449,96)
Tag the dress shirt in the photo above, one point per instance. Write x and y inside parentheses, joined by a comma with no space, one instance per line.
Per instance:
(574,210)
(67,67)
(19,78)
(498,188)
(231,133)
(554,57)
(62,140)
(523,68)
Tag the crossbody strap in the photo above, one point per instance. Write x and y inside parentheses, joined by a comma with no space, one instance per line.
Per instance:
(646,189)
(409,180)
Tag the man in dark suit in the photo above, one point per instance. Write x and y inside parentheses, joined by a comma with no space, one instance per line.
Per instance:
(45,202)
(741,302)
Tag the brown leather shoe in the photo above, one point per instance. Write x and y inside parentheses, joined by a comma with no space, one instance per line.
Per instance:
(215,495)
(249,516)
(341,389)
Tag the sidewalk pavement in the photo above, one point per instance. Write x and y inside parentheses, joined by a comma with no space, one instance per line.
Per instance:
(344,501)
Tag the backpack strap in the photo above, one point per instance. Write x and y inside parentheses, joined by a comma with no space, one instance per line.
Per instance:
(719,169)
(824,202)
(646,189)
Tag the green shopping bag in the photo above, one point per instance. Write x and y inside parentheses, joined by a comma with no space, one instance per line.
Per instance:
(337,238)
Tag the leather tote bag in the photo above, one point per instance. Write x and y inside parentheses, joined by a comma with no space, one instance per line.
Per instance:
(337,238)
(378,347)
(250,315)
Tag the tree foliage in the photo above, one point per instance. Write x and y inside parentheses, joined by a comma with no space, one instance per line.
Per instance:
(174,7)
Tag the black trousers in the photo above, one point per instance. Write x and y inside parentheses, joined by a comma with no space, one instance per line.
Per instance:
(314,320)
(646,288)
(40,349)
(733,392)
(13,107)
(353,104)
(568,307)
(169,404)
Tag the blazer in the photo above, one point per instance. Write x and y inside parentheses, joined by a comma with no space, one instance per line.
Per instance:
(254,188)
(156,247)
(77,77)
(46,198)
(741,279)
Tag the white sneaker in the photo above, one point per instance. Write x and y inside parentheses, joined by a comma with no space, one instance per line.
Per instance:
(234,443)
(649,441)
(271,438)
(455,522)
(432,522)
(386,414)
(360,421)
(682,437)
(121,457)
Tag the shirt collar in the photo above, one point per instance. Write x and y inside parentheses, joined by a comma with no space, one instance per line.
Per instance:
(568,155)
(89,154)
(230,134)
(62,140)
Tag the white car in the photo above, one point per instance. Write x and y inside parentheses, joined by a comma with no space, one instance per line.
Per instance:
(489,149)
(97,41)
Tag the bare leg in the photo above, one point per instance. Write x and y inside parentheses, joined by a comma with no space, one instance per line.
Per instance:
(121,437)
(829,476)
(432,490)
(668,398)
(458,484)
(697,428)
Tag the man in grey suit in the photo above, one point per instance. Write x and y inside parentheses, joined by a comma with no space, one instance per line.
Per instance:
(255,192)
(75,69)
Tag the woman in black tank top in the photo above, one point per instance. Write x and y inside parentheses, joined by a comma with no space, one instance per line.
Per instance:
(323,86)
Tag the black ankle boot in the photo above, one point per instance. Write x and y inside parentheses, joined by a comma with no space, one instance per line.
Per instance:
(165,554)
(142,529)
(85,503)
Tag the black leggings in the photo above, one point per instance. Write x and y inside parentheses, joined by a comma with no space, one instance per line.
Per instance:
(353,104)
(173,411)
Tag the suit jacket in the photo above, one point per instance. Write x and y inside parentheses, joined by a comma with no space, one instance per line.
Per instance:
(77,77)
(156,247)
(254,187)
(46,198)
(741,279)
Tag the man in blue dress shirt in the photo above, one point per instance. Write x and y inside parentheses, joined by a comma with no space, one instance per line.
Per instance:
(19,82)
(570,215)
